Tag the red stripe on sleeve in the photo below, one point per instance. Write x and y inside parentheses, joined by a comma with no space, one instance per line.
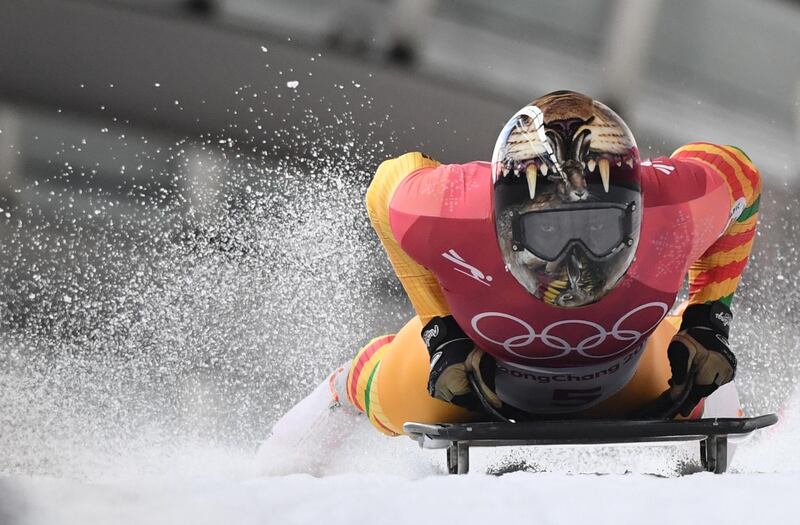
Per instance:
(717,275)
(358,366)
(751,174)
(384,427)
(730,242)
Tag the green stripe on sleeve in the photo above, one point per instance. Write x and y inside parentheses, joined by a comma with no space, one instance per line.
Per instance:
(750,210)
(369,387)
(739,150)
(727,300)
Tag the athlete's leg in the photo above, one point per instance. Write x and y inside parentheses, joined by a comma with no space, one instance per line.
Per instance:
(306,437)
(388,382)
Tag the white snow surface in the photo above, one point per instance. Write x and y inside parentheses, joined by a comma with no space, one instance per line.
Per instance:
(386,498)
(375,479)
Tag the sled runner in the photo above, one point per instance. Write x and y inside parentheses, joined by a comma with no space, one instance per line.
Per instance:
(711,433)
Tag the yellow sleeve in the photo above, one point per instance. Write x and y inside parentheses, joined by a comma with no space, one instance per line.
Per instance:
(421,286)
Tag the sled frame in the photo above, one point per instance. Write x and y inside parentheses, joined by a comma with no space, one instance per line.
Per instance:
(712,433)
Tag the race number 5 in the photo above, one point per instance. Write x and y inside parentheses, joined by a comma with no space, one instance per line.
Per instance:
(574,397)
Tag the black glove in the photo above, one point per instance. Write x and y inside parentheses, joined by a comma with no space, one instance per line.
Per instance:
(453,357)
(700,351)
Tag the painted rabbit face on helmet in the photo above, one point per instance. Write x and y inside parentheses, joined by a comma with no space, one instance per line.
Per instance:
(567,198)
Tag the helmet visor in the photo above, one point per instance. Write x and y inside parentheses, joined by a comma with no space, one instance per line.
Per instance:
(547,234)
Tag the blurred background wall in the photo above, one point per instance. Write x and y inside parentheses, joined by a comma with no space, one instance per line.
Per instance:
(447,72)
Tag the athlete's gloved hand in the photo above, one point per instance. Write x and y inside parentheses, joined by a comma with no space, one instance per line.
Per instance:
(453,357)
(700,351)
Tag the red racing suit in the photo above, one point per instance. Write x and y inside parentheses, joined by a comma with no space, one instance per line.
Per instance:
(437,225)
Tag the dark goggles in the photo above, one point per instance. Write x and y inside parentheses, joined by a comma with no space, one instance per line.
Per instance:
(601,230)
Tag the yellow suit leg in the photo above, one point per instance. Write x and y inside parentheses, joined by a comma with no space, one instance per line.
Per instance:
(389,382)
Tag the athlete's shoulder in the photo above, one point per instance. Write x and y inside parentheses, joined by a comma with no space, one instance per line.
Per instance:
(387,178)
(667,181)
(447,191)
(404,164)
(693,171)
(715,154)
(729,163)
(392,171)
(445,203)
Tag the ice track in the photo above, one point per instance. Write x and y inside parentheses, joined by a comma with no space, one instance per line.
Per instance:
(392,481)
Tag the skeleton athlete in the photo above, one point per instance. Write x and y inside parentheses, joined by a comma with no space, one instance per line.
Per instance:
(549,275)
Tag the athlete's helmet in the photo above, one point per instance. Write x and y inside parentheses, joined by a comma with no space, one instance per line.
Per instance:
(567,198)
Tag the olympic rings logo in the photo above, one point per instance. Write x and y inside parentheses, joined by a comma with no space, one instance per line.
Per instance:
(529,335)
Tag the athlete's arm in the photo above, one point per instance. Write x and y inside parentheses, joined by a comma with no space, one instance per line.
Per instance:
(453,354)
(421,286)
(715,275)
(699,355)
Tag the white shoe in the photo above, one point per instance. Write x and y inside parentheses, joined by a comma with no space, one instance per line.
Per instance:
(308,436)
(724,402)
